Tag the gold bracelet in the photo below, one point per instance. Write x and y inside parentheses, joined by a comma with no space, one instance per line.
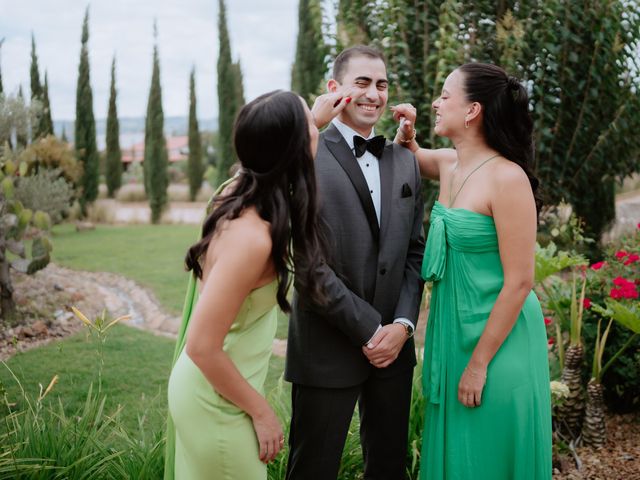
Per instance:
(408,140)
(475,373)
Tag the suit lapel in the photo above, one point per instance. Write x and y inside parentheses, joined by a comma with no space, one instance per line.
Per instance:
(386,186)
(343,154)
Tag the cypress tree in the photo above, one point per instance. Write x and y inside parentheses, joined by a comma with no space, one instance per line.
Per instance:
(21,132)
(311,51)
(63,137)
(46,123)
(1,88)
(113,162)
(239,90)
(155,149)
(85,124)
(195,167)
(37,129)
(228,101)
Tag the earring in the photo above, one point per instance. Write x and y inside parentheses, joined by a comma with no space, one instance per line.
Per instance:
(466,123)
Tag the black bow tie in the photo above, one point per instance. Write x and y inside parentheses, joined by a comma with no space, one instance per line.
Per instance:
(375,145)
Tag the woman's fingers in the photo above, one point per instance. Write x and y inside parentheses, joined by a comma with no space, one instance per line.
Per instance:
(404,110)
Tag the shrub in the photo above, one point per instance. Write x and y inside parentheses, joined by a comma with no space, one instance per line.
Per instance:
(48,191)
(133,174)
(617,277)
(50,153)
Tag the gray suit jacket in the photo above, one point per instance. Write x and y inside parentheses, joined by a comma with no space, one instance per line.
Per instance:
(373,273)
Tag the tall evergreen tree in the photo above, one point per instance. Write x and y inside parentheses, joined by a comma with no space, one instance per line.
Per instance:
(46,122)
(37,129)
(311,51)
(113,162)
(229,98)
(85,124)
(63,136)
(22,131)
(195,167)
(239,92)
(155,150)
(1,88)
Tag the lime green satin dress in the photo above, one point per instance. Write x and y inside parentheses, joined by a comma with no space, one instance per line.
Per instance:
(214,438)
(508,437)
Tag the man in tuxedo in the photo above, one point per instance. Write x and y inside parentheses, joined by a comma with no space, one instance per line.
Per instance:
(359,346)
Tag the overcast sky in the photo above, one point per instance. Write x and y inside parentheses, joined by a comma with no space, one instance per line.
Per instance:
(263,35)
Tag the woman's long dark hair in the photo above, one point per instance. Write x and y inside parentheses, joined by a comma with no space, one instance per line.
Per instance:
(507,125)
(271,138)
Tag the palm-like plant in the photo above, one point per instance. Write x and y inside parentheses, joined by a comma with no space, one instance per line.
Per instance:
(594,428)
(571,411)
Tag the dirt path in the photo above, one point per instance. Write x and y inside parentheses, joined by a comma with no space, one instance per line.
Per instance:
(56,287)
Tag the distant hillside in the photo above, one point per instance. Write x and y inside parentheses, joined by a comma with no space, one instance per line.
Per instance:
(132,129)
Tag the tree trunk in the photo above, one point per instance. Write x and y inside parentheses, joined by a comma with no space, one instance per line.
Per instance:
(594,432)
(570,412)
(7,305)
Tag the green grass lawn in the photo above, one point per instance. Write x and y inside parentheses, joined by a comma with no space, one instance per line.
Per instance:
(152,255)
(135,374)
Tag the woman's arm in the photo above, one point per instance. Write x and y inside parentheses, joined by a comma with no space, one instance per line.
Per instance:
(239,259)
(430,162)
(514,214)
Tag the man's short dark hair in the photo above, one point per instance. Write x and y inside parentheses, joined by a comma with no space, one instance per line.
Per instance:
(342,60)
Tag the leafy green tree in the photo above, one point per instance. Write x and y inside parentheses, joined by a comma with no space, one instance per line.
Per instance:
(1,87)
(155,150)
(37,92)
(113,174)
(311,51)
(579,61)
(46,122)
(85,124)
(22,128)
(230,96)
(195,168)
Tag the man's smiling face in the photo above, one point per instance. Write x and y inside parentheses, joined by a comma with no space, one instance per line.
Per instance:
(370,75)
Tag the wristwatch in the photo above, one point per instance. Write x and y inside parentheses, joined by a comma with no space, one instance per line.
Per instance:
(407,328)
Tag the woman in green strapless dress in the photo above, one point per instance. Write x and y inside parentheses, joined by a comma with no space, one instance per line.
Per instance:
(486,372)
(221,426)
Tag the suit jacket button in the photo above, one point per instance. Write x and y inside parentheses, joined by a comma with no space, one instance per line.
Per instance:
(383,271)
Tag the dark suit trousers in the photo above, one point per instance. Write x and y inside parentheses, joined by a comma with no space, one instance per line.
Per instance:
(320,421)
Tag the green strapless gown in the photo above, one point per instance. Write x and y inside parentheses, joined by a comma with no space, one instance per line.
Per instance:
(213,438)
(509,436)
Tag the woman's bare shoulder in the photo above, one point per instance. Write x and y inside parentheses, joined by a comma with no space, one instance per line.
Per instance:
(247,237)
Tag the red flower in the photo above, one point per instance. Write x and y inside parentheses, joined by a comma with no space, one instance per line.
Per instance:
(633,258)
(598,265)
(551,341)
(630,293)
(620,254)
(622,282)
(638,225)
(586,303)
(548,321)
(615,293)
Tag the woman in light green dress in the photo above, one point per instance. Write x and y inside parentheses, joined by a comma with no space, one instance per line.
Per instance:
(220,426)
(486,373)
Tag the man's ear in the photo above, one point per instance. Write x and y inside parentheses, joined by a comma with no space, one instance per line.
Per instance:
(332,85)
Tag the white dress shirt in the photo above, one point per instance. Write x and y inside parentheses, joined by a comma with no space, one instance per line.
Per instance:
(370,166)
(368,163)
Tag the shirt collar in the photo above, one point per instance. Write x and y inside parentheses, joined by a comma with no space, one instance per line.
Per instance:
(348,132)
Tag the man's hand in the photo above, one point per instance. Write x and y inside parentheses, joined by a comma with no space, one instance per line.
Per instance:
(329,105)
(384,347)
